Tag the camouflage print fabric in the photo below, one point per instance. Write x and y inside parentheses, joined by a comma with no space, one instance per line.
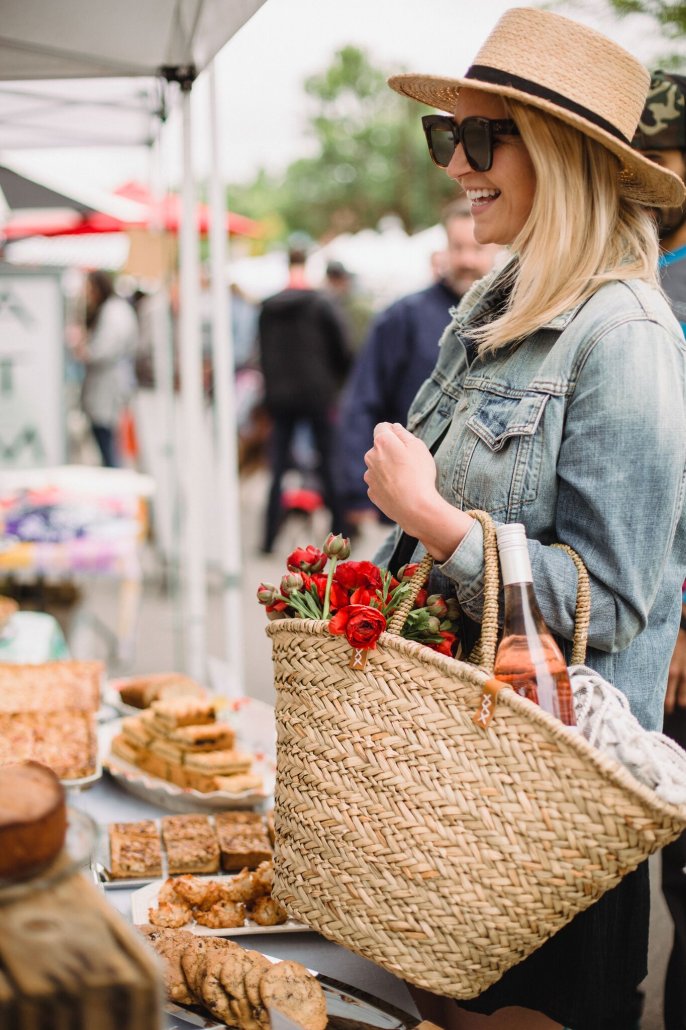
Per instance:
(663,122)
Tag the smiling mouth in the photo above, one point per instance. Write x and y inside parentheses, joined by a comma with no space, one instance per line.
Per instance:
(481,198)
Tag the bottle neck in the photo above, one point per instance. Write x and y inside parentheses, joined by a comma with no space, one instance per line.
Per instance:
(515,565)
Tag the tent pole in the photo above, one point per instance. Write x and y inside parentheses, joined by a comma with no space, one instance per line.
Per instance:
(225,426)
(194,488)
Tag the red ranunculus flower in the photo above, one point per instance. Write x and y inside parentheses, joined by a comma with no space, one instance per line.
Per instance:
(306,559)
(354,574)
(338,598)
(361,596)
(407,571)
(421,598)
(361,625)
(448,644)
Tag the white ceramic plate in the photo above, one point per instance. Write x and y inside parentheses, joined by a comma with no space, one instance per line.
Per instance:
(143,899)
(255,733)
(347,1007)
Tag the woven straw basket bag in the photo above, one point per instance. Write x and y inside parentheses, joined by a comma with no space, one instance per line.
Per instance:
(440,850)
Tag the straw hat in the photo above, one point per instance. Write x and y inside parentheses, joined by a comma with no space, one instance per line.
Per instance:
(572,72)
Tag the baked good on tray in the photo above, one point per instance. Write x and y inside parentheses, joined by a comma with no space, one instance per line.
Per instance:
(233,984)
(141,691)
(181,741)
(63,740)
(47,713)
(243,843)
(191,844)
(33,819)
(135,850)
(50,686)
(219,904)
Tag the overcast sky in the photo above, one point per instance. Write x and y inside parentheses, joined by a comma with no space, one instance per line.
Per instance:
(261,71)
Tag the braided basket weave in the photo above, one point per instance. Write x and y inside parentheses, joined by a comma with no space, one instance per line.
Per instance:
(444,852)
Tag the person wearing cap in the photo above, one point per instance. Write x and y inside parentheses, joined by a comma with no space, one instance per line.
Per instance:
(401,350)
(661,136)
(559,401)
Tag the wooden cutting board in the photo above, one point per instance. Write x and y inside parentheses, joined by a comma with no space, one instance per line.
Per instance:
(68,961)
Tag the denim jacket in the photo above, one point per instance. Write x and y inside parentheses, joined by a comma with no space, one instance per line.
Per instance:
(579,432)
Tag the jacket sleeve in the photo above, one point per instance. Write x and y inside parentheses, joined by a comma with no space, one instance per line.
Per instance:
(369,398)
(620,471)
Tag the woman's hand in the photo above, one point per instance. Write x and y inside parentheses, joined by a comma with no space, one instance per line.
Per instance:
(401,481)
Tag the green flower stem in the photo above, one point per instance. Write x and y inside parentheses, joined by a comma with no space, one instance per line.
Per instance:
(333,561)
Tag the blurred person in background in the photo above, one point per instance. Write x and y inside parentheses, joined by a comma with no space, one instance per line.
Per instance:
(661,136)
(106,348)
(304,359)
(354,310)
(401,351)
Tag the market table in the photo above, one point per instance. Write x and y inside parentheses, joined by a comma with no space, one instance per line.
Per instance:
(106,802)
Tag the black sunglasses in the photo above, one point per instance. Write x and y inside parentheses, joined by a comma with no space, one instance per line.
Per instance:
(443,134)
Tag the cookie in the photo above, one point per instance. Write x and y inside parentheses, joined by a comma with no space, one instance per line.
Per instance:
(212,991)
(232,976)
(291,989)
(194,961)
(259,964)
(170,945)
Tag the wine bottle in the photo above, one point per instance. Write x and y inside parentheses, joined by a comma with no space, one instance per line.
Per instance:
(528,657)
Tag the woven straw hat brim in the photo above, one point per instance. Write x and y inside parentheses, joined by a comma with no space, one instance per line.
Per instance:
(640,179)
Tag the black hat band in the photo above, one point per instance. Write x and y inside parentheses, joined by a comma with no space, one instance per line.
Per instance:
(484,73)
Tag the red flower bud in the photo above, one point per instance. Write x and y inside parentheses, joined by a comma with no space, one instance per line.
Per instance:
(292,583)
(407,571)
(337,546)
(437,605)
(266,592)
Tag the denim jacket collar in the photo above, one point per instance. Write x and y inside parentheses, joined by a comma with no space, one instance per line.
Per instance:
(480,293)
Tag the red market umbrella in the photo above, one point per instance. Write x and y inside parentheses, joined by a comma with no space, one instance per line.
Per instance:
(164,214)
(167,211)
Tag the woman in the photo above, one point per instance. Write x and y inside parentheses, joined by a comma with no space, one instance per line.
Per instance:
(108,354)
(558,400)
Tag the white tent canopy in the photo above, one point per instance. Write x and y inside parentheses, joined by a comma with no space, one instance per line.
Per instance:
(96,39)
(171,41)
(74,113)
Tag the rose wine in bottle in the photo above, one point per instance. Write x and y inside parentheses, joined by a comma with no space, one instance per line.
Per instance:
(528,657)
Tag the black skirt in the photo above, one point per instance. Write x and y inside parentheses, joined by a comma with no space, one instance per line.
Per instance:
(586,976)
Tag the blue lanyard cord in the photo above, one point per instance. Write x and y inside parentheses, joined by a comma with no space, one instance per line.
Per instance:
(671,259)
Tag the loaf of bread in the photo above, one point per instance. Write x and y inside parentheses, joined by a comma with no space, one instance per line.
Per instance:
(33,819)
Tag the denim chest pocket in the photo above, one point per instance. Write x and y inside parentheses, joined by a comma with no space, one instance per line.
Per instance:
(500,463)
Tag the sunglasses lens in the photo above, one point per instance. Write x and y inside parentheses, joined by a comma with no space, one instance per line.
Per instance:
(442,145)
(477,144)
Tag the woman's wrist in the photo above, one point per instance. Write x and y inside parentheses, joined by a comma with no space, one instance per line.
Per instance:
(440,527)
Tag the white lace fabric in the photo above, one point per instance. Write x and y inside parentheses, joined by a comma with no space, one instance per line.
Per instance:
(604,718)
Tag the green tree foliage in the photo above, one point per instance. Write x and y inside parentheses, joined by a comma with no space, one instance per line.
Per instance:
(370,159)
(670,15)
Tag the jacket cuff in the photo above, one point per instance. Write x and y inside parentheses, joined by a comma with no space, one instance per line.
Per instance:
(465,566)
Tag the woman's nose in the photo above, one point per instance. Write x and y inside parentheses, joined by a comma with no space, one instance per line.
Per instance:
(458,165)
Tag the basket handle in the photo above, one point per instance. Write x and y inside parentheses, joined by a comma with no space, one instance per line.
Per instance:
(488,642)
(489,621)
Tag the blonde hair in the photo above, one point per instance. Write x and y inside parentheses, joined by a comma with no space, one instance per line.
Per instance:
(581,232)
